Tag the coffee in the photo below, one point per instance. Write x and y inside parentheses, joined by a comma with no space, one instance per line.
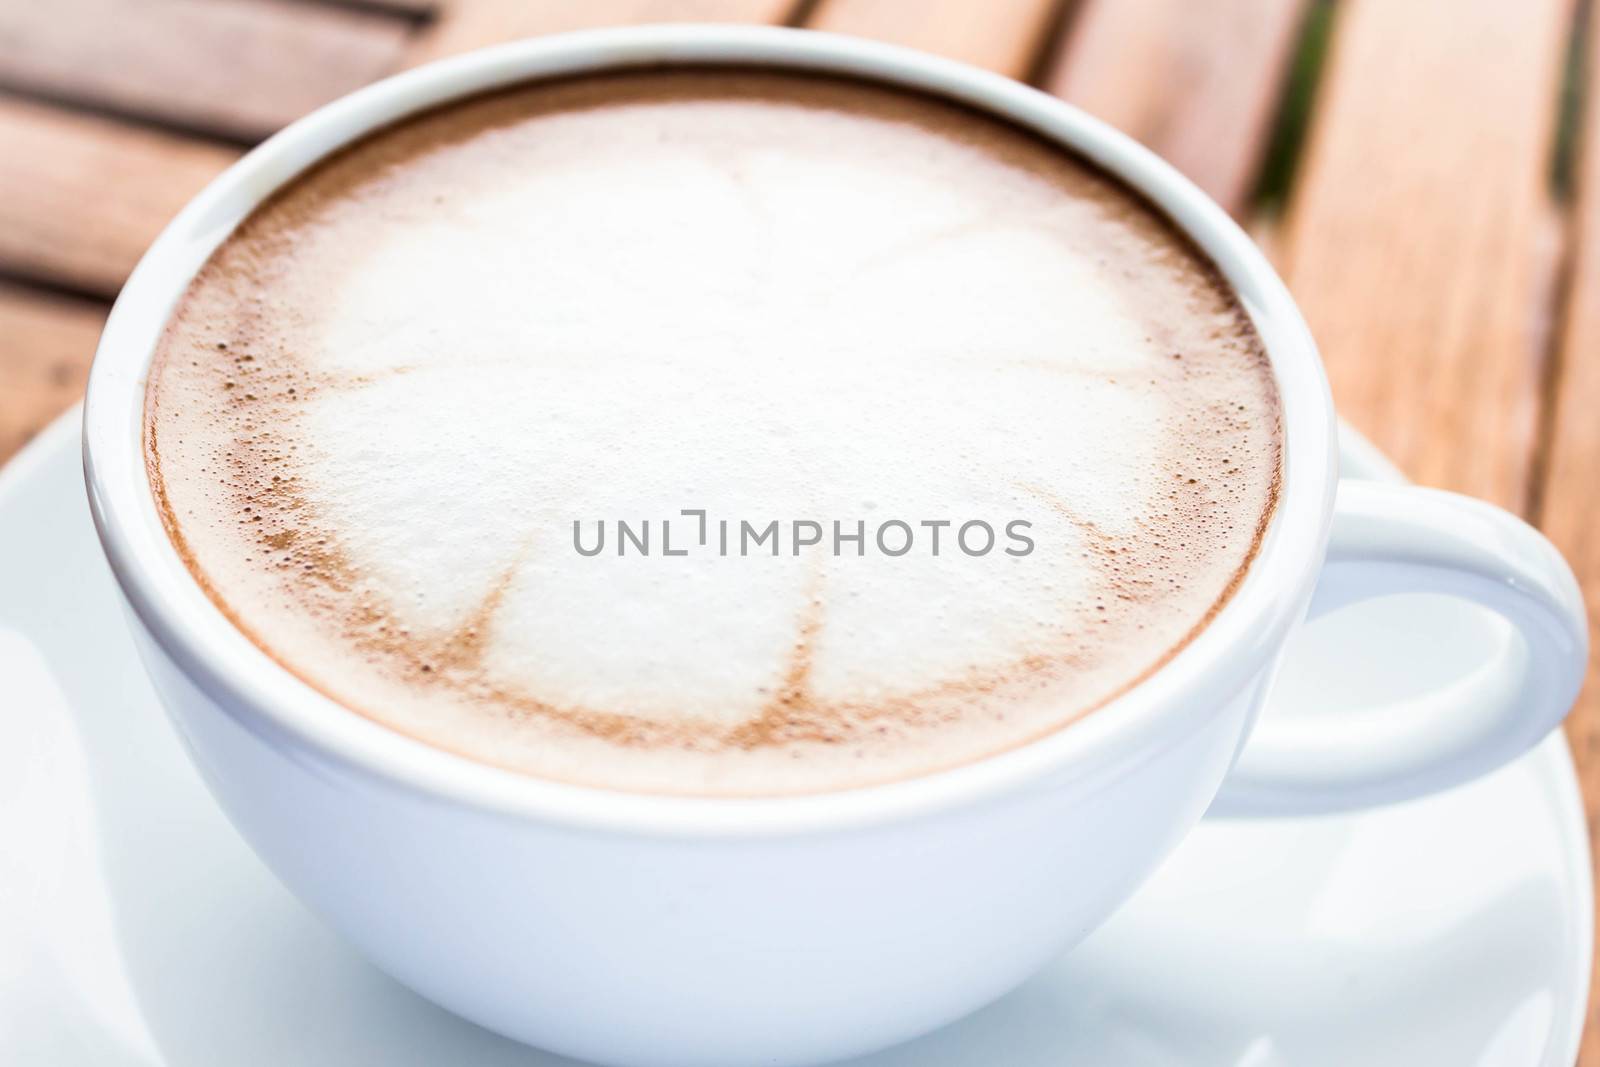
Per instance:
(455,428)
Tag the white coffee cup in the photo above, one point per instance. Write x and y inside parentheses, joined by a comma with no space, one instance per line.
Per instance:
(633,929)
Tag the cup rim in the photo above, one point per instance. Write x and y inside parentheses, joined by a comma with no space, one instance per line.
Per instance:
(1238,644)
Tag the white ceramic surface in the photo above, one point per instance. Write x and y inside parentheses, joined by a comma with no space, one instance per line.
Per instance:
(667,931)
(138,930)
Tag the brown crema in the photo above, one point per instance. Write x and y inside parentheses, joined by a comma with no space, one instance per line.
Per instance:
(392,399)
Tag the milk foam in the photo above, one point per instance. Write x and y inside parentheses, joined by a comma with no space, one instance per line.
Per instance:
(385,400)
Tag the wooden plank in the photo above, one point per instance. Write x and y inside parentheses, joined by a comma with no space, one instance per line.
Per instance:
(463,25)
(46,342)
(1569,509)
(81,197)
(1198,83)
(1002,35)
(238,68)
(1417,242)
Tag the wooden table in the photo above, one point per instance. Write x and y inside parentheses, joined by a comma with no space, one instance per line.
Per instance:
(1416,168)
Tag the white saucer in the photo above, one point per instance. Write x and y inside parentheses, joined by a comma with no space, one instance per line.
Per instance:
(137,929)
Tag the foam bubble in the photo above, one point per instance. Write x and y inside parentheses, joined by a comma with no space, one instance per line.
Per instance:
(385,400)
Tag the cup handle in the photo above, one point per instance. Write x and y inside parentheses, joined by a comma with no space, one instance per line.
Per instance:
(1395,539)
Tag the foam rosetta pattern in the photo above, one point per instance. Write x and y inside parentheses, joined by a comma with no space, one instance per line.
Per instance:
(397,401)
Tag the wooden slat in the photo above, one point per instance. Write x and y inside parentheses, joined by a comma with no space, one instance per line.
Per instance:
(82,197)
(1569,509)
(1198,83)
(240,68)
(1413,240)
(46,342)
(1002,35)
(466,24)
